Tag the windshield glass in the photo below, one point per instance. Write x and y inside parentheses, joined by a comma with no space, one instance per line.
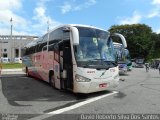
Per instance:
(127,55)
(94,45)
(122,54)
(139,60)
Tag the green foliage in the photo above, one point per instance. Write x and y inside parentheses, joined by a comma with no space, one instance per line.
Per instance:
(155,50)
(138,37)
(11,65)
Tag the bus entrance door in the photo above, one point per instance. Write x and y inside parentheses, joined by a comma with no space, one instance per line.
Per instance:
(67,74)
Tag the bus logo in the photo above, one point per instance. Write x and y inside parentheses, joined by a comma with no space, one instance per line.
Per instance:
(90,71)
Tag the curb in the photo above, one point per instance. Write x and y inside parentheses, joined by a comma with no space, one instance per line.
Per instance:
(11,70)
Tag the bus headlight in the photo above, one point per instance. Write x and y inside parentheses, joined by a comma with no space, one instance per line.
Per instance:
(116,76)
(80,78)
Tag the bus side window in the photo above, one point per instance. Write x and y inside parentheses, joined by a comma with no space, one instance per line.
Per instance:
(40,46)
(26,51)
(56,47)
(56,35)
(66,36)
(51,47)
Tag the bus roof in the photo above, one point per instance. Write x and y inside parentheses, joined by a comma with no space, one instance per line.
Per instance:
(78,25)
(34,42)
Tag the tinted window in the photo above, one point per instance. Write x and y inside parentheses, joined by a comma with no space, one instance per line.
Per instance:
(45,38)
(40,46)
(56,34)
(66,35)
(30,50)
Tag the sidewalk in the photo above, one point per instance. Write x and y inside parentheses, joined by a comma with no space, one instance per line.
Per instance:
(12,71)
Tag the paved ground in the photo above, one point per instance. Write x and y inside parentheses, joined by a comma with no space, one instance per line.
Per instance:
(25,98)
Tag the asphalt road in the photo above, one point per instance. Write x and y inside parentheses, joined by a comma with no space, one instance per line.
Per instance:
(23,98)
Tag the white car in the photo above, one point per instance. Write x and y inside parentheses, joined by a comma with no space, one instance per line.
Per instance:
(122,68)
(5,60)
(17,60)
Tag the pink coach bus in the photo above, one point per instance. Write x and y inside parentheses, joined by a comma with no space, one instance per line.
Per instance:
(79,58)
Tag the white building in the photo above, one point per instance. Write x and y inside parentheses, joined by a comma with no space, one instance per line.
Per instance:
(11,47)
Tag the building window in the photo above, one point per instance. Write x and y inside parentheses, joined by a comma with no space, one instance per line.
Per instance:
(17,52)
(5,55)
(5,50)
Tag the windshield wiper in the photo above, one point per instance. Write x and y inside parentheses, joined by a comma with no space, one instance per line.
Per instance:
(113,62)
(99,59)
(110,63)
(88,64)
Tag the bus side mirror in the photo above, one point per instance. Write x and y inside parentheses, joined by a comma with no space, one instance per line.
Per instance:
(75,35)
(122,38)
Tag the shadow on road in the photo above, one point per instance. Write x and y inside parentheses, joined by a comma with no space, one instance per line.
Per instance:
(120,95)
(22,88)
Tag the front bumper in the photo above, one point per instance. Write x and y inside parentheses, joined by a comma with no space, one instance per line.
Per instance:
(90,87)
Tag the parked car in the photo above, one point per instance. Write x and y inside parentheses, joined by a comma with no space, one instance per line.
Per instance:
(5,60)
(139,62)
(17,60)
(122,68)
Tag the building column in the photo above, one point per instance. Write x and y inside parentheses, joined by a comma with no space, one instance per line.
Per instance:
(19,52)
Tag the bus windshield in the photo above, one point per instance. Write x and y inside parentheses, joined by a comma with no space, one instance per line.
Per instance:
(94,45)
(122,54)
(127,55)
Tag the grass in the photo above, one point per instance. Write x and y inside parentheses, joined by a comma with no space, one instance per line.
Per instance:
(11,65)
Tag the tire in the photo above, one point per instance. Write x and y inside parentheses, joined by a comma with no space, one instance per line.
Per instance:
(27,73)
(51,79)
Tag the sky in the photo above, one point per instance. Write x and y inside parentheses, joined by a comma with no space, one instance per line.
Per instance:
(32,17)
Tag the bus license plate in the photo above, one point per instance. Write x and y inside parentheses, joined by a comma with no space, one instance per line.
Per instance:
(103,85)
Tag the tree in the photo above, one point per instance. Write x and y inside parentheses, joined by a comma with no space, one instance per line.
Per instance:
(155,49)
(138,37)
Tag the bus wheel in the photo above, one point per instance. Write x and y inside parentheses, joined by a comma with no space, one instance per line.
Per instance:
(51,79)
(27,73)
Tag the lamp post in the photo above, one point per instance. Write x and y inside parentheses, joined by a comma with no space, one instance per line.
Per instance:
(48,34)
(11,40)
(0,48)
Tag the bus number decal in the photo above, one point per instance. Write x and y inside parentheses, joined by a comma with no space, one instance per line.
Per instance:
(90,71)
